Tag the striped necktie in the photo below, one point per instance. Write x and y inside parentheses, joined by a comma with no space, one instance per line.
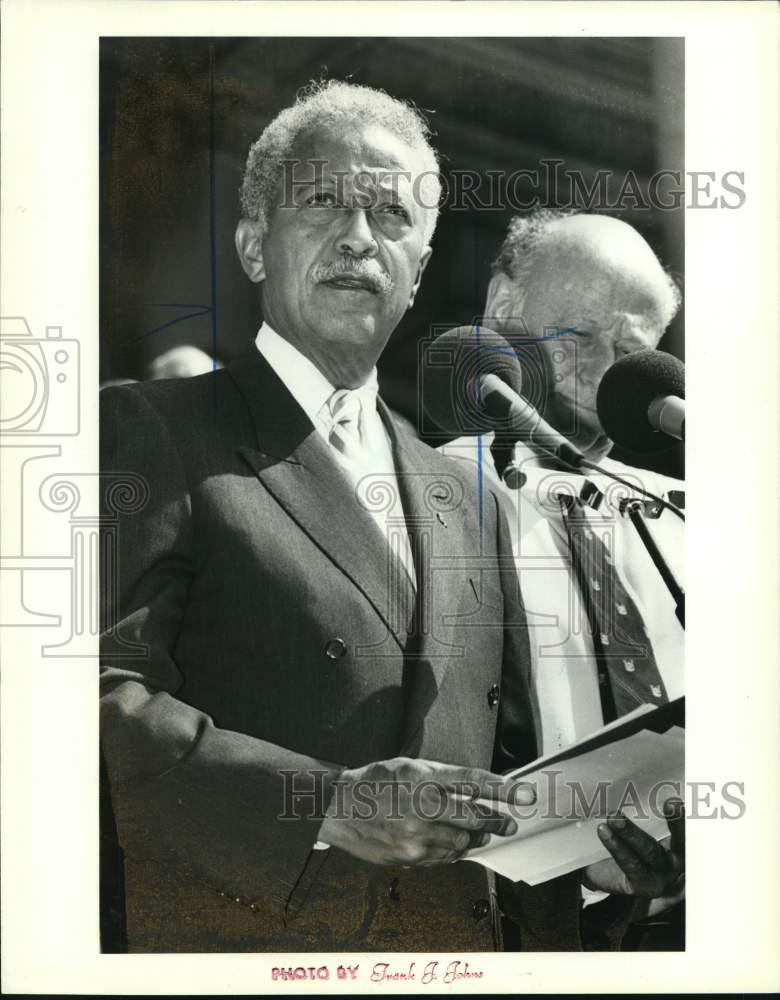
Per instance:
(627,670)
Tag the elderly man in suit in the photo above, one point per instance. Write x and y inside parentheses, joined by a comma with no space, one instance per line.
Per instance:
(311,637)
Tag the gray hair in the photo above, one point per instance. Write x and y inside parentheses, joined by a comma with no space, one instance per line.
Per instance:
(525,235)
(328,102)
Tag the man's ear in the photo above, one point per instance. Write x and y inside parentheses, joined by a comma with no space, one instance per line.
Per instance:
(424,258)
(504,300)
(249,245)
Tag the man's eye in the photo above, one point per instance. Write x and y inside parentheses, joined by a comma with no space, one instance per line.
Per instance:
(321,199)
(397,210)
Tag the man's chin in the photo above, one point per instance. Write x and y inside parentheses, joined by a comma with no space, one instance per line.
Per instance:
(591,441)
(579,424)
(346,327)
(570,418)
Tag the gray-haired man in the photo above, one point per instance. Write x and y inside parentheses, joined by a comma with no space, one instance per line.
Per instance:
(312,637)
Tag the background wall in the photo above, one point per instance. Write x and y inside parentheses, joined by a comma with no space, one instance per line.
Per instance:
(178,116)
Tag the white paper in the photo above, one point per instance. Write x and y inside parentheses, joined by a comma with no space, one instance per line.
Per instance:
(558,834)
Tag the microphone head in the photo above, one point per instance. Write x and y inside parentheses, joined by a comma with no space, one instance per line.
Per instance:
(449,378)
(626,392)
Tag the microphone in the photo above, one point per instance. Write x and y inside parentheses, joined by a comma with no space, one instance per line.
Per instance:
(515,417)
(472,382)
(641,401)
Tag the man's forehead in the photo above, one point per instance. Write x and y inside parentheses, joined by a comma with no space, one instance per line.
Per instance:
(602,276)
(346,149)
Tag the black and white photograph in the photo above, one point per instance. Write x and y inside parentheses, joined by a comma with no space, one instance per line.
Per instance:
(341,626)
(358,513)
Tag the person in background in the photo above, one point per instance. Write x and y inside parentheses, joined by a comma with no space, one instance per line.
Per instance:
(181,361)
(574,293)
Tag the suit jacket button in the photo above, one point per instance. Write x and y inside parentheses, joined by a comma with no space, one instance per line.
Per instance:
(480,909)
(335,648)
(493,696)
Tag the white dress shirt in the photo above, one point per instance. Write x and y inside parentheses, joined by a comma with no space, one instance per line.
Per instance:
(563,660)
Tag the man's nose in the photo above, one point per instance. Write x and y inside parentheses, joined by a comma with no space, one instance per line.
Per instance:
(356,238)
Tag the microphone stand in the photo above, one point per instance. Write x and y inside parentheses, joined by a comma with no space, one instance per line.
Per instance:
(635,511)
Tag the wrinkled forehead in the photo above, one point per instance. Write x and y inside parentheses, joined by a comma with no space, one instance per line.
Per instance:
(602,279)
(355,155)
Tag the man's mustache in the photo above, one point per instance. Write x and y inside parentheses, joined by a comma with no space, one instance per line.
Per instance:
(365,269)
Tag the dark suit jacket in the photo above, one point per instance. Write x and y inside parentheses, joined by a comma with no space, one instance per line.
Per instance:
(253,638)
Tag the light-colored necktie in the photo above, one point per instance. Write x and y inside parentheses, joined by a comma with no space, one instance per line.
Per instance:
(356,432)
(351,431)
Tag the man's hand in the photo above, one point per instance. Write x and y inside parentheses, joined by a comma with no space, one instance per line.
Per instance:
(418,812)
(640,866)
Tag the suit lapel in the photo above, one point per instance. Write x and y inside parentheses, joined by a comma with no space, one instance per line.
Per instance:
(293,463)
(295,466)
(439,520)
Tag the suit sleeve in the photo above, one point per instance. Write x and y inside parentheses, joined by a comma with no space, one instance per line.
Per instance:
(182,788)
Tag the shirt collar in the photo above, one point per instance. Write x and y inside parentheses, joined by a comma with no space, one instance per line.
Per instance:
(305,382)
(542,484)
